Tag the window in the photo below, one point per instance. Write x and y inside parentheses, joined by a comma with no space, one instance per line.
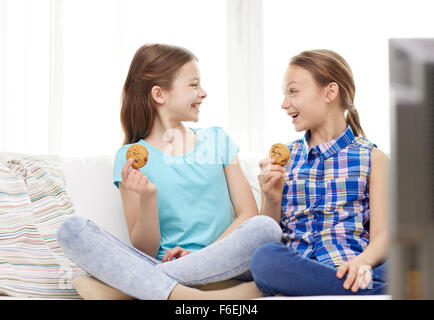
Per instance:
(25,75)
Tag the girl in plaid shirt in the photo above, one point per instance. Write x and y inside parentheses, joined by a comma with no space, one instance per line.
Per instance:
(331,198)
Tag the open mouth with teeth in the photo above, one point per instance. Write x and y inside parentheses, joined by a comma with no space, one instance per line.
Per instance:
(195,106)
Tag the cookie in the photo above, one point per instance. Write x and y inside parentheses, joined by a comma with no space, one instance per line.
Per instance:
(140,155)
(280,153)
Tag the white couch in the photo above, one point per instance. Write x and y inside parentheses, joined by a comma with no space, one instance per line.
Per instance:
(89,184)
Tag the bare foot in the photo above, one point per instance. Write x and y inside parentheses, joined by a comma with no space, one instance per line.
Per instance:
(218,285)
(90,288)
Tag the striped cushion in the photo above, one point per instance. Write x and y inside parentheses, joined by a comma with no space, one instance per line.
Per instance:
(33,204)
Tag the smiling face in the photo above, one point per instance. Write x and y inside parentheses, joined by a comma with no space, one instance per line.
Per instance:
(304,100)
(184,99)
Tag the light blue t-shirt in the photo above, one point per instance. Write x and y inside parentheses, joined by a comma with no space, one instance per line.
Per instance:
(194,206)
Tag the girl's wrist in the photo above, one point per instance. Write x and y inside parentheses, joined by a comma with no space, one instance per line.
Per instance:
(148,197)
(375,253)
(364,259)
(274,202)
(271,208)
(149,193)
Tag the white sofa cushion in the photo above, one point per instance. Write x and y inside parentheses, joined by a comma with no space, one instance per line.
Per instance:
(89,182)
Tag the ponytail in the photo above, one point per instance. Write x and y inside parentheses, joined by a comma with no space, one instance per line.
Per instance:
(353,121)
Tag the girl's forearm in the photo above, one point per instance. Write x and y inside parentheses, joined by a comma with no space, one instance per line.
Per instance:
(146,233)
(273,210)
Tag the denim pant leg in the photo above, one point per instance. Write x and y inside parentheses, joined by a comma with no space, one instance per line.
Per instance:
(227,258)
(111,261)
(277,268)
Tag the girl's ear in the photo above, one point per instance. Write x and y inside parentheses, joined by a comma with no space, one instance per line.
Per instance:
(332,91)
(158,95)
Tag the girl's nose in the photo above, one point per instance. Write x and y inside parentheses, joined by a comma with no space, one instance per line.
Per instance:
(286,103)
(203,94)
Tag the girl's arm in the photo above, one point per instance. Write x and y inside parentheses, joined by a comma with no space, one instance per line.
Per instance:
(376,252)
(242,198)
(139,200)
(271,179)
(271,209)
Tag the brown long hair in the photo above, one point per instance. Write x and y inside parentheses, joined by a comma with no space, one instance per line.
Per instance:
(327,66)
(152,65)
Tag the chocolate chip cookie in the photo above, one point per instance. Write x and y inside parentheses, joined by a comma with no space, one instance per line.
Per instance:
(280,153)
(140,155)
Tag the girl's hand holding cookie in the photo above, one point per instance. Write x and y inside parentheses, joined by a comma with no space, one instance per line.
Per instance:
(135,180)
(271,179)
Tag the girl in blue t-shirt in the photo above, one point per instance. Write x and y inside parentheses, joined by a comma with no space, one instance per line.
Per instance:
(331,201)
(191,215)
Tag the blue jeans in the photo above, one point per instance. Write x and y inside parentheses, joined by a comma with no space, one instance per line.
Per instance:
(139,275)
(277,268)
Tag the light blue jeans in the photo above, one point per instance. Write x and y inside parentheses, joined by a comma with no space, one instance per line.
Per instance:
(141,276)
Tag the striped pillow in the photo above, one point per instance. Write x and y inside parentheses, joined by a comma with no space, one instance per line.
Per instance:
(33,204)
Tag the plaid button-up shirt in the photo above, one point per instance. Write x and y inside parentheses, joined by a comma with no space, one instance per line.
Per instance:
(325,203)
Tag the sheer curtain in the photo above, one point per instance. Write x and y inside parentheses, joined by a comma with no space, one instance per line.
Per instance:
(63,63)
(359,31)
(25,75)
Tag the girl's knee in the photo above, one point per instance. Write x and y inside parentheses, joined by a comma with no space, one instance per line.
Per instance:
(267,227)
(70,230)
(264,259)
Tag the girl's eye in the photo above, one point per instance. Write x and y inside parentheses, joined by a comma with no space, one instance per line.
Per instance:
(291,92)
(194,85)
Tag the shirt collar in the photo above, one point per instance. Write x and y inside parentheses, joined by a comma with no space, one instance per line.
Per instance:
(327,149)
